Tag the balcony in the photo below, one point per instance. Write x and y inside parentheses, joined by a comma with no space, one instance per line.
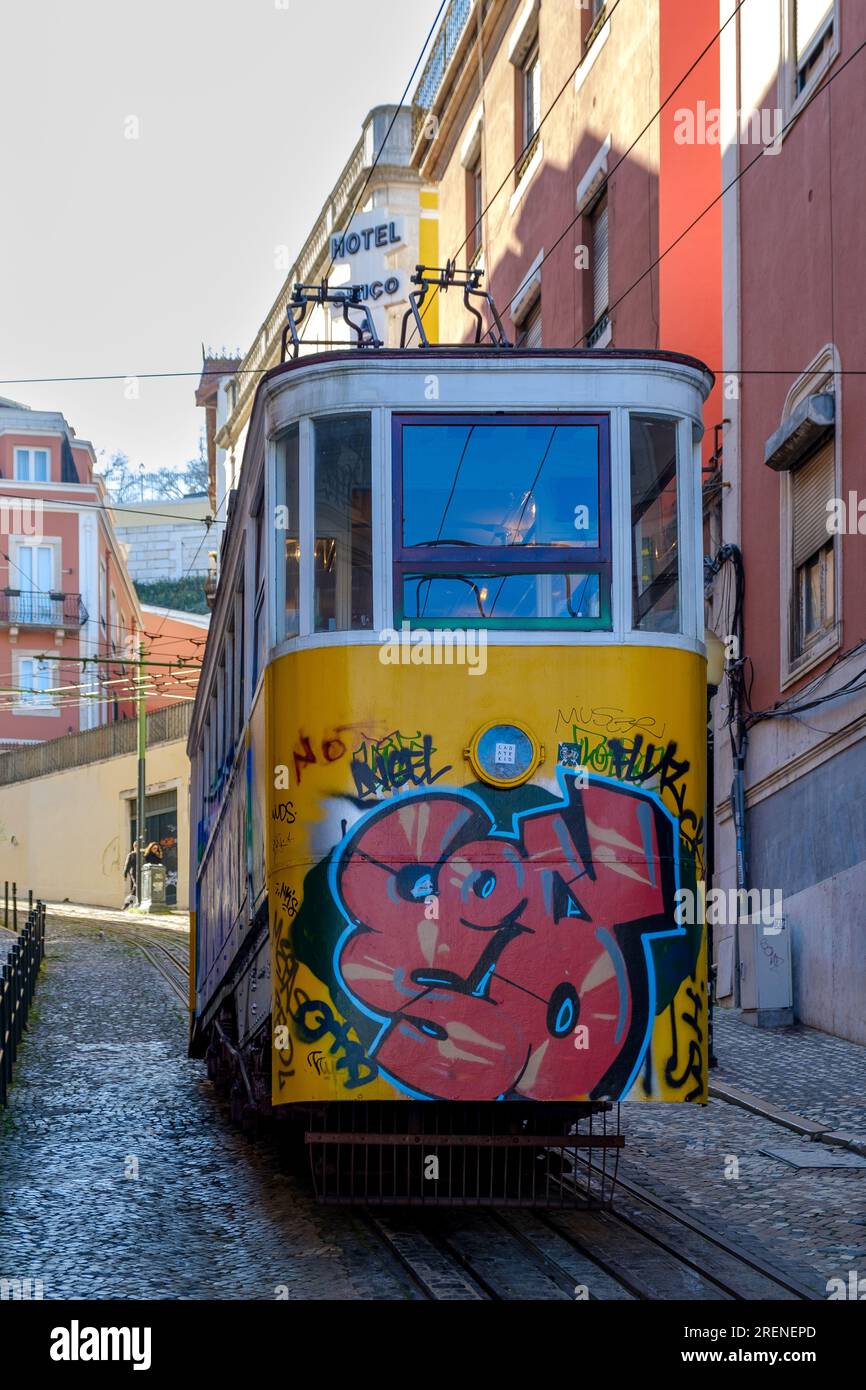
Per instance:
(444,47)
(19,608)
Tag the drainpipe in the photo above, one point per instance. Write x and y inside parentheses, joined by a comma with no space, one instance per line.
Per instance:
(738,804)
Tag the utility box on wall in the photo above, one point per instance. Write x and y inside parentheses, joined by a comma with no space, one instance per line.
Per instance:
(766,987)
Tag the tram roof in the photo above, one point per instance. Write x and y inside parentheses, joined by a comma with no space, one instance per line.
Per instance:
(369,356)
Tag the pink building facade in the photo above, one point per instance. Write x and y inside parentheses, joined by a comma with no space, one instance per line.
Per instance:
(565,181)
(794,471)
(688,174)
(69,614)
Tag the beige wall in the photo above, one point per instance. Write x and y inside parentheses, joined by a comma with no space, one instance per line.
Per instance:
(67,835)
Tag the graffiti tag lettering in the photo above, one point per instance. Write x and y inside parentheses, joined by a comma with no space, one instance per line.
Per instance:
(315,1021)
(396,761)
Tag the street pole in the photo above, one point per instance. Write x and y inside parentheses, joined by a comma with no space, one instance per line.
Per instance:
(142,743)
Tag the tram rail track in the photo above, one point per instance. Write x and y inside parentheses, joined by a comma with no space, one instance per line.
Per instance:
(173,965)
(639,1248)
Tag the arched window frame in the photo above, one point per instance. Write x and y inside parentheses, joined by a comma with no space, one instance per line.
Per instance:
(823,374)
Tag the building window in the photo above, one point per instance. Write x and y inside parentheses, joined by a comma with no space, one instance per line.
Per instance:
(474,211)
(804,451)
(594,10)
(813,559)
(343,561)
(35,682)
(503,523)
(599,265)
(654,524)
(34,566)
(531,76)
(31,465)
(814,22)
(811,42)
(530,328)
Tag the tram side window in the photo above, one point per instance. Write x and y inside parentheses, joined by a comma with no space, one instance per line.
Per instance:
(240,663)
(654,524)
(260,609)
(504,521)
(288,530)
(343,559)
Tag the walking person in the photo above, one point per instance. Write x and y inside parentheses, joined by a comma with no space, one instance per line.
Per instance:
(129,872)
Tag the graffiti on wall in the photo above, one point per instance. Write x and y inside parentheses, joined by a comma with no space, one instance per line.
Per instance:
(495,962)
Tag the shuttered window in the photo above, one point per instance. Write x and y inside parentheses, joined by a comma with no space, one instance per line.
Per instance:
(813,554)
(812,487)
(530,331)
(599,261)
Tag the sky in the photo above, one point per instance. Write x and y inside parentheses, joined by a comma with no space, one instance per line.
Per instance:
(121,256)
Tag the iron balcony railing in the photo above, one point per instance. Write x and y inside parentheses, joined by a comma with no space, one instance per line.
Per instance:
(20,608)
(441,53)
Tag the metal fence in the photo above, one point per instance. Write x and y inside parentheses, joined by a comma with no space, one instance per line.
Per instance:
(442,51)
(94,745)
(24,952)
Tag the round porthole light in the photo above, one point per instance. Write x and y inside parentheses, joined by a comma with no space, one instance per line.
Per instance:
(505,755)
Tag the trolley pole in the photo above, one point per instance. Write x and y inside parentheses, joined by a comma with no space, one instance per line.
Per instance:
(142,746)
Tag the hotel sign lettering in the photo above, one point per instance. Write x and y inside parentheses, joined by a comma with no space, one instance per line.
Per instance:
(384,236)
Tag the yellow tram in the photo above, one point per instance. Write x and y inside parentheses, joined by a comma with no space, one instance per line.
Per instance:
(449,750)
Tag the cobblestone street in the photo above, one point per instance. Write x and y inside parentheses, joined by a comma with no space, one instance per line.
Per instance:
(121,1175)
(103,1086)
(811,1221)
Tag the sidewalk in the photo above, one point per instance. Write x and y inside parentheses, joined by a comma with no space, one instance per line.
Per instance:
(172,920)
(725,1162)
(815,1076)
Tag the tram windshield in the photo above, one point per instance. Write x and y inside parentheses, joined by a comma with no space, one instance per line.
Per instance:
(503,520)
(500,485)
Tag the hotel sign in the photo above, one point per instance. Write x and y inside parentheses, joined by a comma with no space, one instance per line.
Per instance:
(365,248)
(379,236)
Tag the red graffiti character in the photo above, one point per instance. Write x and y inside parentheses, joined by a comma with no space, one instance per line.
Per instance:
(508,964)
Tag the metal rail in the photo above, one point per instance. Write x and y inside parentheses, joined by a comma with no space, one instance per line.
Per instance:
(173,968)
(24,953)
(671,1240)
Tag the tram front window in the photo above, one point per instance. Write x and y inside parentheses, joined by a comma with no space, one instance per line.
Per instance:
(290,529)
(654,520)
(501,596)
(343,561)
(504,520)
(513,484)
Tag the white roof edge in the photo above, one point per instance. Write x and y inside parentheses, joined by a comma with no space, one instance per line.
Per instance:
(201,620)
